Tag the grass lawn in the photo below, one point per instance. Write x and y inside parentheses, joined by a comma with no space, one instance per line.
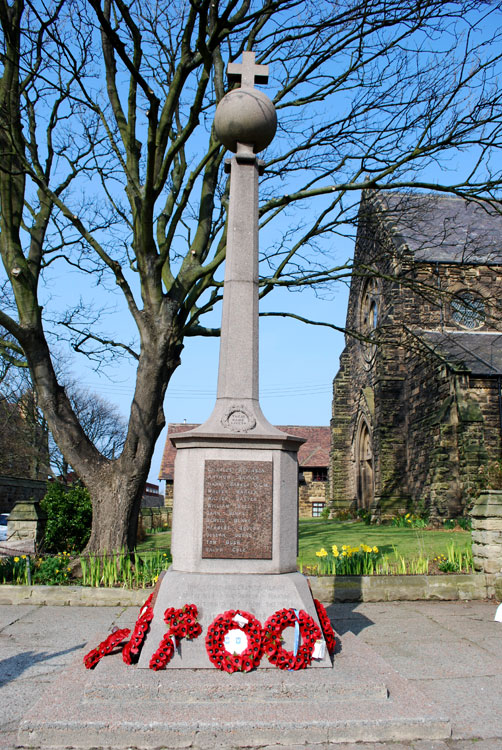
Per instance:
(317,532)
(159,540)
(410,543)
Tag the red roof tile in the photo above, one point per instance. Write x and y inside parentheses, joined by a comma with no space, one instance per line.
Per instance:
(313,453)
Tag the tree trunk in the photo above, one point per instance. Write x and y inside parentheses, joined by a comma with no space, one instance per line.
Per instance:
(116,499)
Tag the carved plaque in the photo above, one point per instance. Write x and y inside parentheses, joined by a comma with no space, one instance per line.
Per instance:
(237,521)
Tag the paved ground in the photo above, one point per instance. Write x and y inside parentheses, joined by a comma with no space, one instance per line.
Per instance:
(451,650)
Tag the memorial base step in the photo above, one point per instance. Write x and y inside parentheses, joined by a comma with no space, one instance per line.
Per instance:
(362,699)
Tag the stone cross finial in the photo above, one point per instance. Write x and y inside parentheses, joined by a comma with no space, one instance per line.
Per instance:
(247,73)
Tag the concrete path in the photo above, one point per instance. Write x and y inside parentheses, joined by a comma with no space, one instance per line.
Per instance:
(452,651)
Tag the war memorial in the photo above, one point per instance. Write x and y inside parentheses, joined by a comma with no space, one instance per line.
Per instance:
(234,549)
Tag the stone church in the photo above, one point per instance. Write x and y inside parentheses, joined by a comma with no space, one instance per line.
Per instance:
(417,401)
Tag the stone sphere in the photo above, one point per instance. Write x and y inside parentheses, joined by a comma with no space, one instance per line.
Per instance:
(245,115)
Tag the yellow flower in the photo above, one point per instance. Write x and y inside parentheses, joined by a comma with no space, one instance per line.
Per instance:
(407,515)
(68,568)
(344,553)
(334,549)
(164,555)
(344,546)
(23,557)
(336,553)
(16,559)
(57,570)
(322,552)
(375,549)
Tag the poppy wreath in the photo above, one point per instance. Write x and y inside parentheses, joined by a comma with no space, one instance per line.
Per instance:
(272,639)
(181,623)
(327,630)
(215,641)
(131,650)
(164,653)
(105,647)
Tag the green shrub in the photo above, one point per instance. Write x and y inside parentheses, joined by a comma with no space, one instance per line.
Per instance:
(52,571)
(69,518)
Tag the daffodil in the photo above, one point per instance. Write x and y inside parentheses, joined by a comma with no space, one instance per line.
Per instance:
(375,549)
(334,549)
(16,559)
(336,553)
(23,557)
(322,552)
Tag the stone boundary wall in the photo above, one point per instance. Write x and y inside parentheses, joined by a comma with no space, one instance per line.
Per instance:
(328,589)
(14,489)
(486,516)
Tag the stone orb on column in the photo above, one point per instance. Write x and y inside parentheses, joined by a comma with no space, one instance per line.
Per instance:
(247,116)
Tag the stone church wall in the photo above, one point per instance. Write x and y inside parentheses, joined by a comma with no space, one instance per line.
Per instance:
(431,425)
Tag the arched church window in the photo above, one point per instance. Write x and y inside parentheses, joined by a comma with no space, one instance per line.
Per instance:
(365,480)
(369,315)
(468,310)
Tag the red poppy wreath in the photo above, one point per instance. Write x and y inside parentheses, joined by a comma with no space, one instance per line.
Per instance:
(181,623)
(105,647)
(272,639)
(132,648)
(234,641)
(327,630)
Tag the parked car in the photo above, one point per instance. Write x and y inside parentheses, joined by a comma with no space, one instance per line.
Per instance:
(4,517)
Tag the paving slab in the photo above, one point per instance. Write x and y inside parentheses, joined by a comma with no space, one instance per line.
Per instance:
(472,703)
(475,708)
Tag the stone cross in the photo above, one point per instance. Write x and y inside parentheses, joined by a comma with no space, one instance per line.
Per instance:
(247,73)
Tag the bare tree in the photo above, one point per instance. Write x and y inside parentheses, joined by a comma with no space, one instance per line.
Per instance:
(101,421)
(109,164)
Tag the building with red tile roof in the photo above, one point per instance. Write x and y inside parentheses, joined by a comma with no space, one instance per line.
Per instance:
(313,462)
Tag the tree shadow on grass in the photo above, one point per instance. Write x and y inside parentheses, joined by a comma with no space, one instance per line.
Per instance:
(14,666)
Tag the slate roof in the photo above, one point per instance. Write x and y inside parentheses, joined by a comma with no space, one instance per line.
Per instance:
(479,353)
(314,453)
(442,228)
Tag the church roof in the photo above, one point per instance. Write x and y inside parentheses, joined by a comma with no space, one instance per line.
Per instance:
(479,353)
(314,453)
(443,228)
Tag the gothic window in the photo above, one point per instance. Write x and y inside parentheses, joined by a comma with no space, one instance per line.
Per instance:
(369,313)
(468,310)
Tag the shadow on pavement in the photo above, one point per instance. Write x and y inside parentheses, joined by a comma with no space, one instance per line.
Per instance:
(345,618)
(12,667)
